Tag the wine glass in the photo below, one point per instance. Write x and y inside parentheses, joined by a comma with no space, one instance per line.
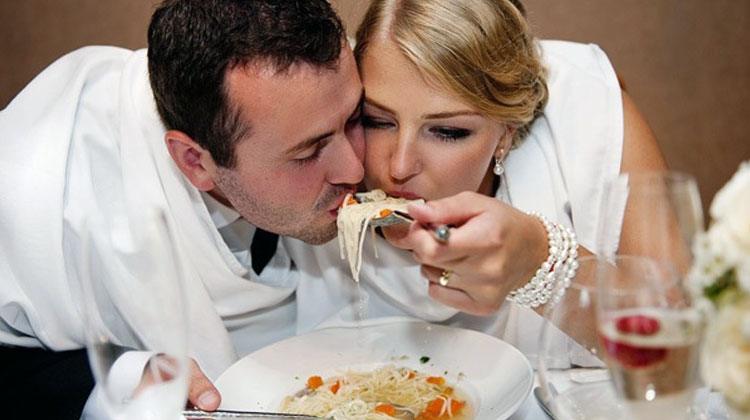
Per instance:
(649,336)
(573,378)
(659,213)
(136,320)
(643,302)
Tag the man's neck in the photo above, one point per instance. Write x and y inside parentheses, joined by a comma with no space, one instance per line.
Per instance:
(219,196)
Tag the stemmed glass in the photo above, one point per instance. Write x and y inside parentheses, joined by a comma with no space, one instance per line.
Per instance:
(649,336)
(650,330)
(660,212)
(136,325)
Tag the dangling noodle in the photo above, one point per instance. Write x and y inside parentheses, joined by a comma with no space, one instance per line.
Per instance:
(353,219)
(366,396)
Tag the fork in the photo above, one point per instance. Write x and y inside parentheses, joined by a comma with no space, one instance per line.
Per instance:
(393,218)
(440,232)
(401,413)
(236,414)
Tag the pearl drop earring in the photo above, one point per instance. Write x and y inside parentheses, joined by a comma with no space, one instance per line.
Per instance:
(499,168)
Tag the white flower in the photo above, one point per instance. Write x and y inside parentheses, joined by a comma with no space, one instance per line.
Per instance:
(711,251)
(731,208)
(726,354)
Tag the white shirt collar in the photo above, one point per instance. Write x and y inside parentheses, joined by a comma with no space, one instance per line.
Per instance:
(221,215)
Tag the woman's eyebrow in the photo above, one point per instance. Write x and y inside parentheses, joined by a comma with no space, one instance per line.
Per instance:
(448,114)
(372,102)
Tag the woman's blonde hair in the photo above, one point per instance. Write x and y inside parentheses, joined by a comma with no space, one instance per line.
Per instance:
(481,50)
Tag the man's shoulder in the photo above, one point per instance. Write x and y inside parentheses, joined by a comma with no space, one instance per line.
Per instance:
(99,53)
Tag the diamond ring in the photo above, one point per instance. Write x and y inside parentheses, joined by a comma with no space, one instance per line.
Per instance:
(445,277)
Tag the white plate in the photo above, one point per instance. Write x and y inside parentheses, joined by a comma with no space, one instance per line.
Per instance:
(494,376)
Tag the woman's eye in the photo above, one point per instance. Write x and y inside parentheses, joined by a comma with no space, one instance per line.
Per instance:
(369,122)
(450,134)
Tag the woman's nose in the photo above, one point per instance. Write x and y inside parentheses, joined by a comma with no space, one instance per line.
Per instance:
(405,161)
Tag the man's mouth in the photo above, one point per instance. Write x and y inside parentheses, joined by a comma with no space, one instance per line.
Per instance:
(340,200)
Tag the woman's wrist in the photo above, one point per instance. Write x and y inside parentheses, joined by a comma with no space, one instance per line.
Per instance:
(553,276)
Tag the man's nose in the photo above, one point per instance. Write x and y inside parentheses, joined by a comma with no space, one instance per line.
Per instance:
(347,167)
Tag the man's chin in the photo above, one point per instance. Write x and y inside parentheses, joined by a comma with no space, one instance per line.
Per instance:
(318,236)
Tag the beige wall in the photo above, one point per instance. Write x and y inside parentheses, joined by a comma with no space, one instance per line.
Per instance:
(686,64)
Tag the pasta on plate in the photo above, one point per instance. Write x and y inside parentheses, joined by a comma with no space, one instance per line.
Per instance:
(384,393)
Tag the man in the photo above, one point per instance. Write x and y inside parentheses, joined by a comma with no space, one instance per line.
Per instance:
(257,126)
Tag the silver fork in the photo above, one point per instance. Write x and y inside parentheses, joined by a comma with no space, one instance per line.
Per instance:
(440,232)
(394,218)
(236,414)
(545,400)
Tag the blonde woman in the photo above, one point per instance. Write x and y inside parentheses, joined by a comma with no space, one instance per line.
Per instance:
(464,108)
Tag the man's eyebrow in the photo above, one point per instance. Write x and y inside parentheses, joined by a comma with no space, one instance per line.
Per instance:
(306,144)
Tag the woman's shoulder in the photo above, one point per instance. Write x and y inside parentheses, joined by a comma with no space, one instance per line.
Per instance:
(567,58)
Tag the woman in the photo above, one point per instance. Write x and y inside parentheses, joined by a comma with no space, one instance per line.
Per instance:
(487,125)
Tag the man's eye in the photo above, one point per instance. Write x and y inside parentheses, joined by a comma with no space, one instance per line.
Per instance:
(369,122)
(312,157)
(449,133)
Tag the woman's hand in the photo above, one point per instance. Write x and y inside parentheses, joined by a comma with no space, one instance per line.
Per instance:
(492,250)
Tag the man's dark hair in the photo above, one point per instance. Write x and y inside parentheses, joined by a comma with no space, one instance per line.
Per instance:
(192,43)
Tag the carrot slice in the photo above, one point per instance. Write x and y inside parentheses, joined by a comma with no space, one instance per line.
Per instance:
(386,409)
(456,406)
(437,380)
(385,212)
(335,387)
(434,407)
(314,382)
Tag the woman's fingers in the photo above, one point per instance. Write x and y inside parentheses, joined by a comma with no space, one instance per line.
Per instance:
(475,238)
(454,210)
(443,277)
(458,292)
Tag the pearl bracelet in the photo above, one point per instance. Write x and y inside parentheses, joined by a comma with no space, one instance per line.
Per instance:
(556,272)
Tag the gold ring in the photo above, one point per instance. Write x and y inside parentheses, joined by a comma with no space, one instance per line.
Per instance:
(445,277)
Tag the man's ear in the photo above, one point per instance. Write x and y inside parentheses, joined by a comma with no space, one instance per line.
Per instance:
(194,161)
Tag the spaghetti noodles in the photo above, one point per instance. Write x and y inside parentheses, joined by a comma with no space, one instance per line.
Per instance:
(380,394)
(353,219)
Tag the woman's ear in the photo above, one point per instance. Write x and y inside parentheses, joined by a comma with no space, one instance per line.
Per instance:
(506,142)
(194,162)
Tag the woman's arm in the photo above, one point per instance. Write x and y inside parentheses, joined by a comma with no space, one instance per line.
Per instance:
(640,153)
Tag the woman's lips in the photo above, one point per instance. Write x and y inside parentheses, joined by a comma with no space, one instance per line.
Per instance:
(408,195)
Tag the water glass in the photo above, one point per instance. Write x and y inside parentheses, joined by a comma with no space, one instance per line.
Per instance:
(649,336)
(139,320)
